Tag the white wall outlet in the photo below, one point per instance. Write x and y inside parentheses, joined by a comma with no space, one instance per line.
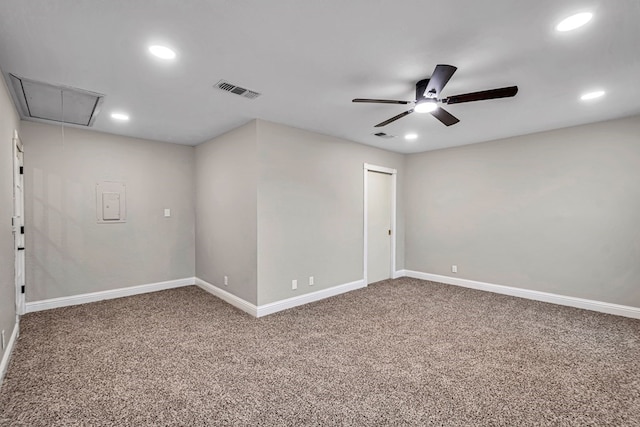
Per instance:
(294,284)
(226,280)
(310,280)
(454,268)
(3,339)
(167,213)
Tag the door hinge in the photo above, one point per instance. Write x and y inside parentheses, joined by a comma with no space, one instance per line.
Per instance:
(21,249)
(22,289)
(389,232)
(21,170)
(22,229)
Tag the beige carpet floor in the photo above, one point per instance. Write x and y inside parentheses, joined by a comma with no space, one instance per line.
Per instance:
(401,352)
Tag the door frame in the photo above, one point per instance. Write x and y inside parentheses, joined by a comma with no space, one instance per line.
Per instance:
(17,223)
(389,171)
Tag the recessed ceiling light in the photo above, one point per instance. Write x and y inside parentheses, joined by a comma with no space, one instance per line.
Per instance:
(411,136)
(162,52)
(574,21)
(592,95)
(120,116)
(426,106)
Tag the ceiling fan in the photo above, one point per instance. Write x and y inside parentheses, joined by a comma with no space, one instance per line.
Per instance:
(428,91)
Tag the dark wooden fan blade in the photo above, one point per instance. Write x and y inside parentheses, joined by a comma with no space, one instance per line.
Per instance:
(381,101)
(393,119)
(444,116)
(439,79)
(504,92)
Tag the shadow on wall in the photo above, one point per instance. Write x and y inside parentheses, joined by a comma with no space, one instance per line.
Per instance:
(56,227)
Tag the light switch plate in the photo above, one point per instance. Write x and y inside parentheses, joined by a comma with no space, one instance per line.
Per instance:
(167,213)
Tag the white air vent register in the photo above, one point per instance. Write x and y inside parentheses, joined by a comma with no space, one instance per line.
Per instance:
(237,90)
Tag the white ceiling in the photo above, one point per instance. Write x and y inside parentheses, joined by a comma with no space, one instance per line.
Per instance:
(310,58)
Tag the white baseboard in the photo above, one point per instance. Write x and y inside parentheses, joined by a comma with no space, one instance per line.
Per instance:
(228,297)
(103,295)
(8,351)
(274,307)
(603,307)
(399,273)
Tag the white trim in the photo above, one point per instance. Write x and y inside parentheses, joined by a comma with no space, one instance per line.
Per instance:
(19,141)
(393,222)
(228,297)
(382,169)
(8,351)
(18,221)
(110,294)
(399,273)
(603,307)
(274,307)
(393,172)
(365,232)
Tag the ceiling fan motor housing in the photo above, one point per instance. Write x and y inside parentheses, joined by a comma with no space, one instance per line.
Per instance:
(421,87)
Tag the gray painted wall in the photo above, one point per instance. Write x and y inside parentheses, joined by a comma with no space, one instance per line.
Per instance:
(226,206)
(69,253)
(310,210)
(9,122)
(554,211)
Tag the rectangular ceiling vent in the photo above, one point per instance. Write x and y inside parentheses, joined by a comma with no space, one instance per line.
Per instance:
(230,87)
(44,101)
(384,135)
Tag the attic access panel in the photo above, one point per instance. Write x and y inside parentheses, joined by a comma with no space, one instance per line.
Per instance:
(44,101)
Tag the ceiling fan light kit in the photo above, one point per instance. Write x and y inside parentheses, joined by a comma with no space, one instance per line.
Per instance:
(426,105)
(428,97)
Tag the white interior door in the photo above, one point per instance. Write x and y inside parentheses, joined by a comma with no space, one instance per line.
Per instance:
(379,204)
(18,221)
